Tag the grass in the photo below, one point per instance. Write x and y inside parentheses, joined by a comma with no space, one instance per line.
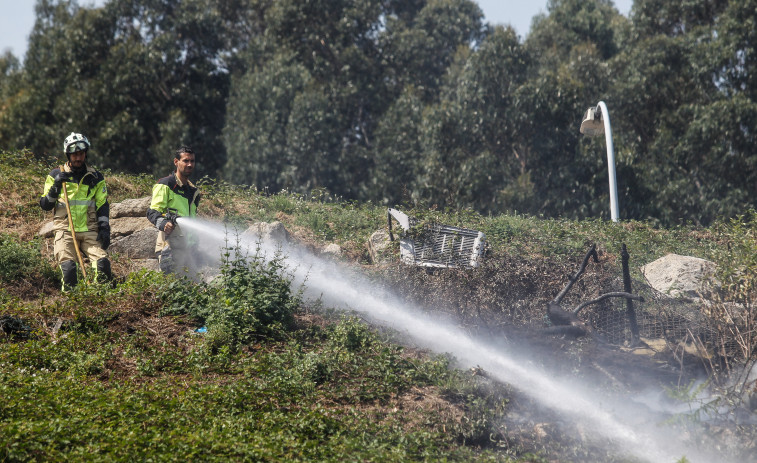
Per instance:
(100,389)
(105,374)
(125,377)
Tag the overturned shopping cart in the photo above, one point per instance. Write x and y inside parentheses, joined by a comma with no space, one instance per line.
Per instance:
(437,245)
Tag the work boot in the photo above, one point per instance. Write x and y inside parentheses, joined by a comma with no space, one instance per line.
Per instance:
(70,278)
(102,271)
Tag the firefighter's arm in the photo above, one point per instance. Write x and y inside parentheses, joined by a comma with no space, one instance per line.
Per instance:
(47,201)
(158,208)
(101,203)
(53,185)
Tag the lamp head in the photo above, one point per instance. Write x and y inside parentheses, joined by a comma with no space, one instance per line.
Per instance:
(592,124)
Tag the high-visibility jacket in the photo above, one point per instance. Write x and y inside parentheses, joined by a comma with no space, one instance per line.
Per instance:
(87,198)
(170,193)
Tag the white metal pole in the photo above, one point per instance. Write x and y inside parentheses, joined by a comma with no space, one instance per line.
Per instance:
(610,162)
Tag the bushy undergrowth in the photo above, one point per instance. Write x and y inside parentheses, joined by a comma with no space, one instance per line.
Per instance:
(115,382)
(250,299)
(22,262)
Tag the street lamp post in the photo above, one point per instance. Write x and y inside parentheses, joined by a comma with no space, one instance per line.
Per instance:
(597,121)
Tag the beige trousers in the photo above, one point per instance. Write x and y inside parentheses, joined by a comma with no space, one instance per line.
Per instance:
(63,247)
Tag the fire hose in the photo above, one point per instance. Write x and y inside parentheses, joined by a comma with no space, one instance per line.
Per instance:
(172,215)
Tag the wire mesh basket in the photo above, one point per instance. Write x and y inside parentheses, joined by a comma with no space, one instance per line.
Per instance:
(437,245)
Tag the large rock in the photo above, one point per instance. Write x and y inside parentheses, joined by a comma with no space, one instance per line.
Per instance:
(680,276)
(125,226)
(138,245)
(126,218)
(332,249)
(270,232)
(130,208)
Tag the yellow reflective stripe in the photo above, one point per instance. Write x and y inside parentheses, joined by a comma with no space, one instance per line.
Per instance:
(80,202)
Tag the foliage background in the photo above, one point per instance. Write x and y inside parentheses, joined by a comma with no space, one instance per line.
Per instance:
(406,102)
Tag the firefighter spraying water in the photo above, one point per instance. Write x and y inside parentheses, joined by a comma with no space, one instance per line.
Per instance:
(174,197)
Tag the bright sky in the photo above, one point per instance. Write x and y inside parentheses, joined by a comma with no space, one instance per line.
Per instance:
(17,18)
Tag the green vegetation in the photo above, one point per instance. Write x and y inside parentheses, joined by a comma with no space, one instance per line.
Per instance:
(249,300)
(105,373)
(20,261)
(126,377)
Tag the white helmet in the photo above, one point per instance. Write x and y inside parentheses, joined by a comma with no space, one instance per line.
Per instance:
(75,142)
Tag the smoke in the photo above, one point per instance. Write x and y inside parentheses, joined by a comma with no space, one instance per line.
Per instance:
(632,426)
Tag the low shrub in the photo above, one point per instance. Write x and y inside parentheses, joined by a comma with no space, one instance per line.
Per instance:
(250,298)
(22,261)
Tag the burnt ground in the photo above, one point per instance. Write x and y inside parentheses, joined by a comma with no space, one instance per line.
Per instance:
(505,301)
(506,298)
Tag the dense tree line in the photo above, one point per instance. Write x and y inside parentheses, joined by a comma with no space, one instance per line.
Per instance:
(401,101)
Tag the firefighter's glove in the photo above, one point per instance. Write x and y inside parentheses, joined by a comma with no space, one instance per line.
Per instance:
(55,189)
(103,235)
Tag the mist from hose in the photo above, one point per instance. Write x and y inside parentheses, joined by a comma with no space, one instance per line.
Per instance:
(631,427)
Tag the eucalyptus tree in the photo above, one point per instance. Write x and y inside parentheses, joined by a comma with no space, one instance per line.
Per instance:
(396,151)
(137,76)
(260,102)
(52,88)
(474,148)
(169,71)
(734,54)
(571,22)
(9,90)
(718,146)
(352,60)
(673,88)
(571,46)
(420,48)
(311,56)
(672,19)
(9,69)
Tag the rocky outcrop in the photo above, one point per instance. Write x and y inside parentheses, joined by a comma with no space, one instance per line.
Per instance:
(125,226)
(137,245)
(270,232)
(130,208)
(132,235)
(126,218)
(681,276)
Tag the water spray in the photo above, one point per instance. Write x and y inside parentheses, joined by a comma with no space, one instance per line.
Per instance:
(631,427)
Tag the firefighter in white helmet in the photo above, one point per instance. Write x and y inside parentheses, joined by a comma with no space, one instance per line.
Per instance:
(90,212)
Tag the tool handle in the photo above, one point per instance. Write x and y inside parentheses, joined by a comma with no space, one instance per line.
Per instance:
(73,232)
